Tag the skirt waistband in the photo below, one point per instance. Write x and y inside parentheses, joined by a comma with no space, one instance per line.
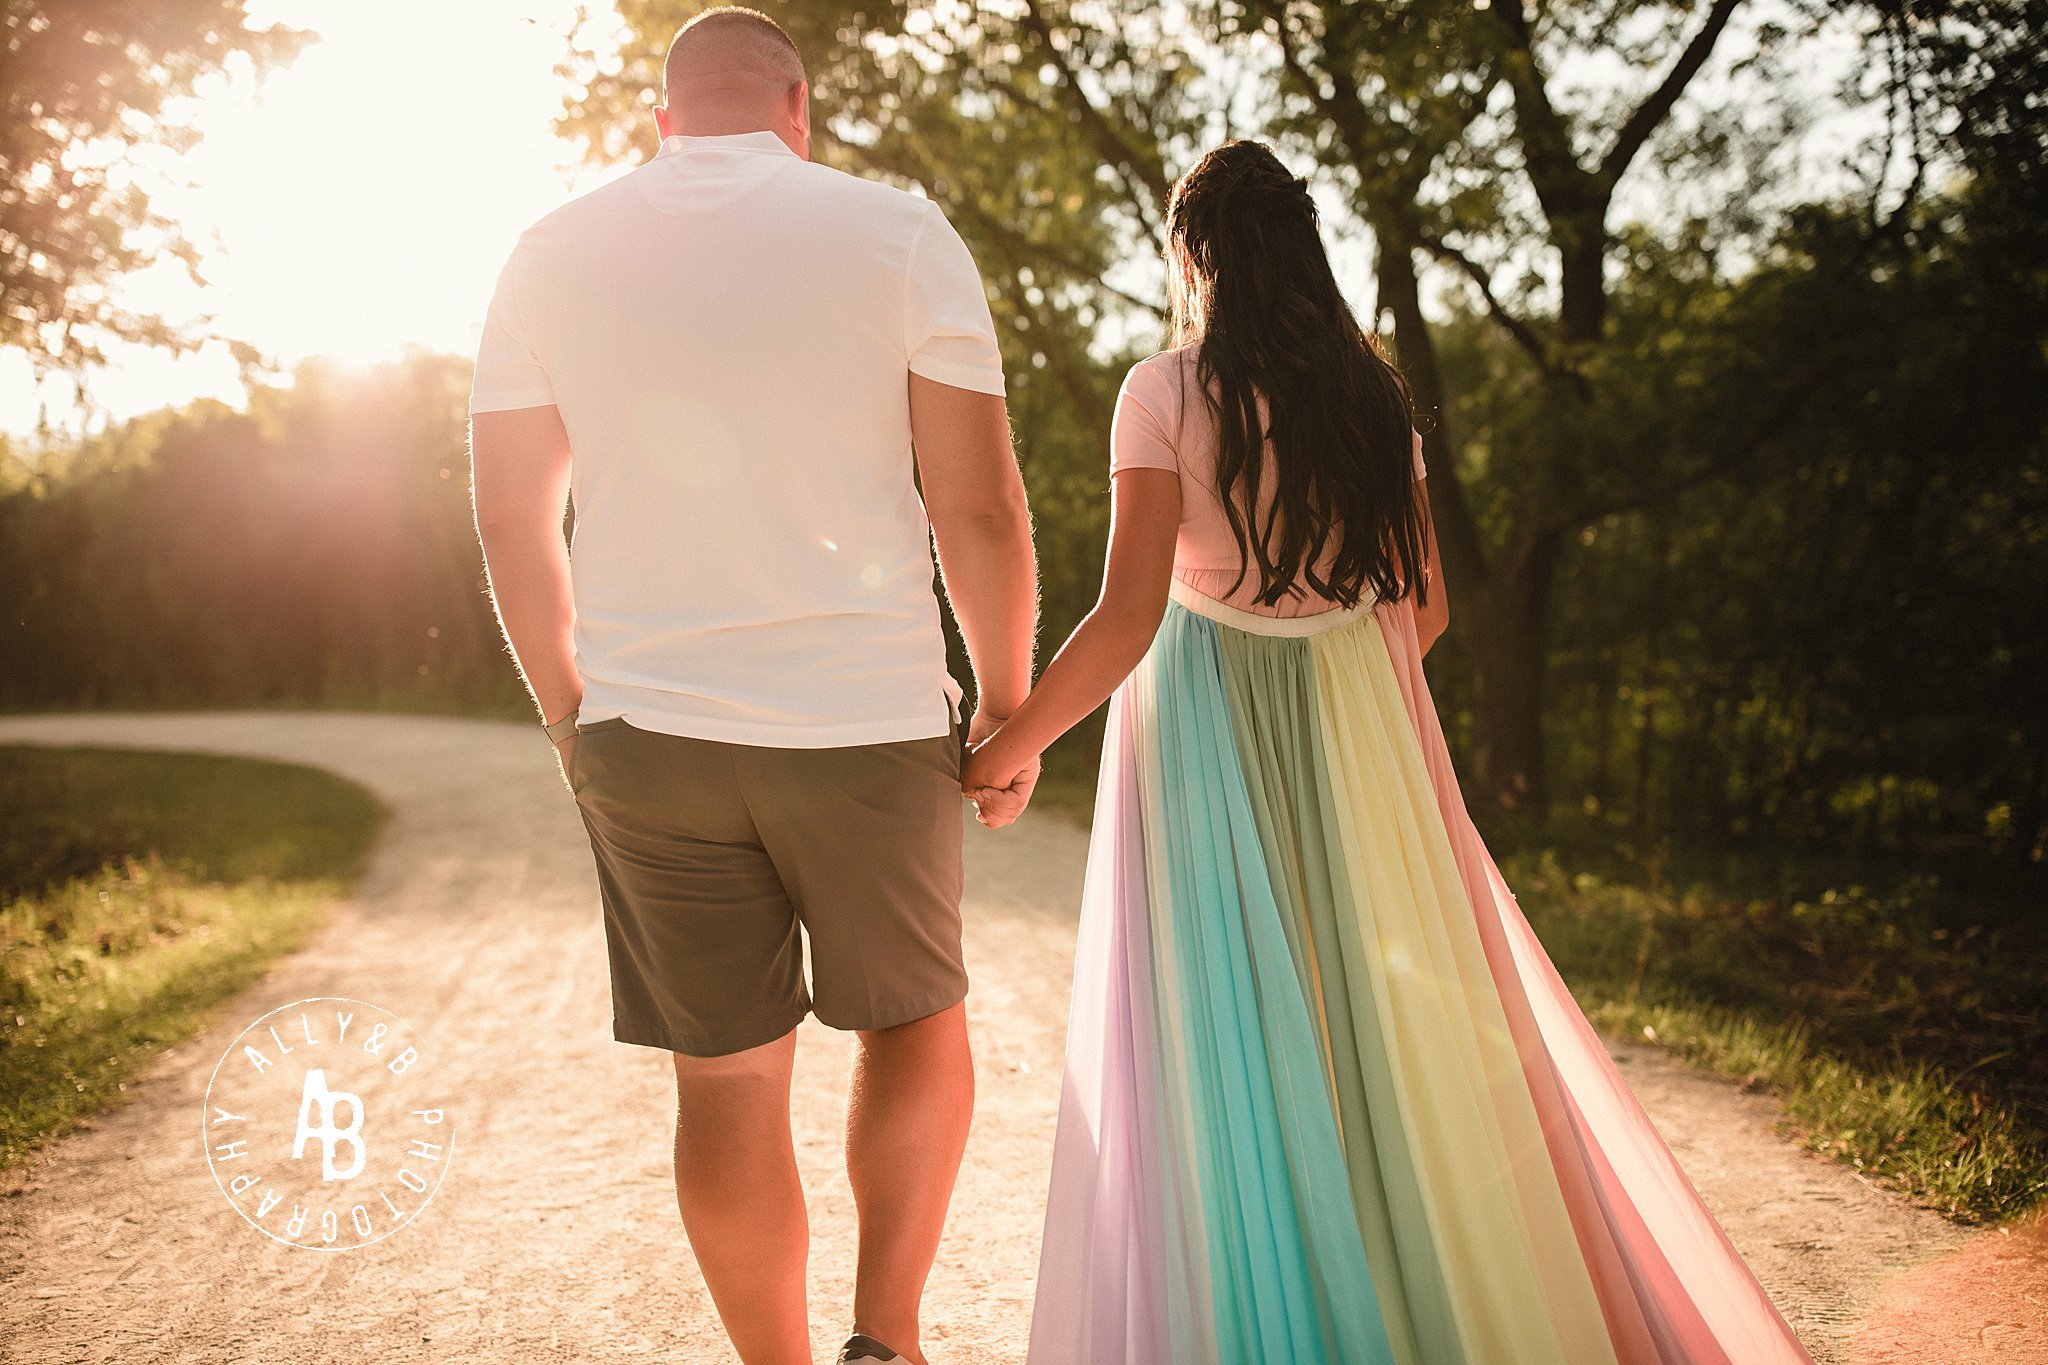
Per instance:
(1252,623)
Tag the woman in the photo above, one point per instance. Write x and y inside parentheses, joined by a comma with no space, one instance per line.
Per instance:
(1326,1098)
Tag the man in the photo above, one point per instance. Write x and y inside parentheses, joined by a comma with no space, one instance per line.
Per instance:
(728,357)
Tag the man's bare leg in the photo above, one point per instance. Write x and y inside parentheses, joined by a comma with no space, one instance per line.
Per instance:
(741,1200)
(906,1126)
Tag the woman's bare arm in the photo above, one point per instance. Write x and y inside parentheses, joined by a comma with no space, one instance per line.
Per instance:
(1104,648)
(1433,617)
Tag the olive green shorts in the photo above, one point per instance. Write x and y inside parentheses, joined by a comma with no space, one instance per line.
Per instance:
(710,856)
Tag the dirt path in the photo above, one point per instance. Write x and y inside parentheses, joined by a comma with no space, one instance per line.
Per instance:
(554,1237)
(1986,1300)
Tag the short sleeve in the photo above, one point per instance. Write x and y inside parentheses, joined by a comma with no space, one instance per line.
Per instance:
(508,373)
(1141,435)
(1421,469)
(947,330)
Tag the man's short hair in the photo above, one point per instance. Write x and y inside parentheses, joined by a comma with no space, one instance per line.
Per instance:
(730,40)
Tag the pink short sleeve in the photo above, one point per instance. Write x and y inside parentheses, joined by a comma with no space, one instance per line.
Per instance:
(1421,469)
(1142,434)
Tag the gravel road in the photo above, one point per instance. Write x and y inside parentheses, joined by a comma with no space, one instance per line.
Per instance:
(554,1235)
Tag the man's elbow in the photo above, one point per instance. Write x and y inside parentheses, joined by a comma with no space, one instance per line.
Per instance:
(503,519)
(1002,517)
(495,516)
(505,504)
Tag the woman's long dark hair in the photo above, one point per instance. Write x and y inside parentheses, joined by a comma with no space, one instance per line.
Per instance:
(1253,289)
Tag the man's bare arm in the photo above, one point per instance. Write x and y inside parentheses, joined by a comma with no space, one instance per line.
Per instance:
(1102,651)
(974,496)
(519,476)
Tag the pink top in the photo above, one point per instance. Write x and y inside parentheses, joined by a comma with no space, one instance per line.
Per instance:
(1163,423)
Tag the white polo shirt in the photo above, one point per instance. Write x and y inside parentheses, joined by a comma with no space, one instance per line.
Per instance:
(728,333)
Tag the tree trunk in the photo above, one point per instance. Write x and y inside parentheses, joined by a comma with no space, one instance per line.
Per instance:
(1606,678)
(1582,266)
(1500,614)
(1507,640)
(1457,533)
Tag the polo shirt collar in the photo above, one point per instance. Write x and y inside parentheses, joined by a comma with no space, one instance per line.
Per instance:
(759,141)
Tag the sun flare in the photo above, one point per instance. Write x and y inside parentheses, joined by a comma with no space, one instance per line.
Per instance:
(352,203)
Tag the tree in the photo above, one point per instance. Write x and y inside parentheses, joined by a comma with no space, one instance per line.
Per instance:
(1050,129)
(1838,647)
(80,82)
(318,547)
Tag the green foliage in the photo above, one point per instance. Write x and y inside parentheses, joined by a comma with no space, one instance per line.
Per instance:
(81,83)
(1841,646)
(71,813)
(1901,1022)
(316,549)
(137,891)
(1905,1125)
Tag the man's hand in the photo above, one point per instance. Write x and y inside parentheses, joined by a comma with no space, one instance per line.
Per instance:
(974,497)
(999,783)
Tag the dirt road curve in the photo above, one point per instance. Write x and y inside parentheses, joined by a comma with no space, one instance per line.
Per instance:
(554,1236)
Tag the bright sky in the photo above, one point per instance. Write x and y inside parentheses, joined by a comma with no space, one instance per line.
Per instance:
(360,199)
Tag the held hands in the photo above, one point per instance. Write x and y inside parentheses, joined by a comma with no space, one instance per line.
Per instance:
(996,778)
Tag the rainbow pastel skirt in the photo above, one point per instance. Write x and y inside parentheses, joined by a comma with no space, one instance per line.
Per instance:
(1326,1098)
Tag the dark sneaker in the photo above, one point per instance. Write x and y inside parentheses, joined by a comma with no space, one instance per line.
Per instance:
(860,1347)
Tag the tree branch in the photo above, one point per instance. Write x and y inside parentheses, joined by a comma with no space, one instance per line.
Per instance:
(1392,218)
(1029,252)
(1458,539)
(1525,336)
(1727,462)
(1347,116)
(1636,130)
(1566,189)
(1108,140)
(1022,249)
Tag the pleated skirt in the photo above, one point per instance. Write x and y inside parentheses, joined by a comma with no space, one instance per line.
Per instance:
(1326,1099)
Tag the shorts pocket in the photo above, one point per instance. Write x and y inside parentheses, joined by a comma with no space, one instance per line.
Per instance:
(573,768)
(577,760)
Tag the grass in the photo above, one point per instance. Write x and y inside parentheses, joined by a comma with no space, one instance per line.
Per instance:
(1898,1017)
(137,891)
